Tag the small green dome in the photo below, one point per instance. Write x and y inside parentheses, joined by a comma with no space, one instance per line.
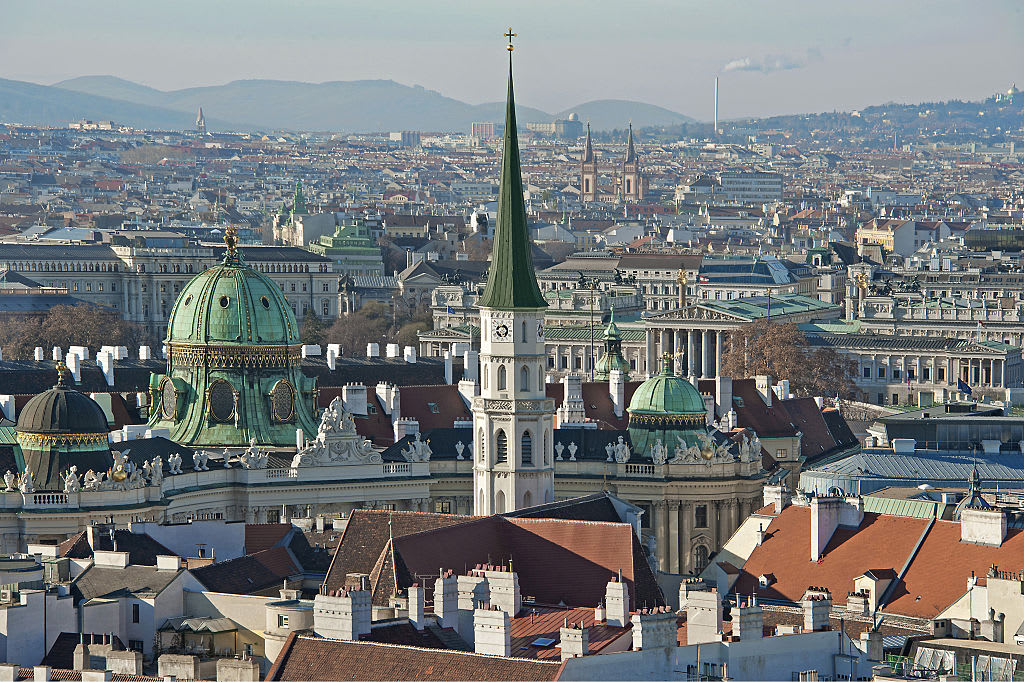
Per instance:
(668,409)
(231,303)
(667,394)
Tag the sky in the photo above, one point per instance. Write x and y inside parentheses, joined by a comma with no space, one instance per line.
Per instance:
(772,57)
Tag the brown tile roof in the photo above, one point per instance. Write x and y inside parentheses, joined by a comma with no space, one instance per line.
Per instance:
(882,541)
(315,660)
(416,403)
(259,573)
(261,536)
(546,621)
(597,403)
(367,533)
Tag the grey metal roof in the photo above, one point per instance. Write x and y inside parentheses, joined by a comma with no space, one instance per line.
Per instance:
(874,469)
(892,342)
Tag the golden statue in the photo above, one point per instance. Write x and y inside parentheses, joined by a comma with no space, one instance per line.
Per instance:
(683,280)
(231,238)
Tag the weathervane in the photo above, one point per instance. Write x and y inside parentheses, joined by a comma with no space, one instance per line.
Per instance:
(510,35)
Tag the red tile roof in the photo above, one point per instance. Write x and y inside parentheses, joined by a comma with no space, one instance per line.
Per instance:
(261,536)
(546,621)
(315,660)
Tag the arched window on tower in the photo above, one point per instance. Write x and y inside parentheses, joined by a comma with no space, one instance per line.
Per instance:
(502,381)
(501,446)
(526,445)
(481,451)
(524,379)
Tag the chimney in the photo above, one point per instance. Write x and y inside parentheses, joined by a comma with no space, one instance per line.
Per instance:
(353,397)
(105,360)
(144,353)
(386,395)
(492,632)
(617,391)
(748,620)
(732,419)
(417,601)
(723,397)
(473,592)
(471,366)
(406,426)
(39,354)
(654,629)
(409,355)
(41,673)
(336,347)
(446,599)
(764,387)
(344,614)
(8,407)
(10,672)
(982,526)
(871,645)
(373,350)
(392,350)
(817,604)
(57,354)
(332,358)
(74,367)
(616,601)
(309,351)
(703,616)
(503,586)
(575,641)
(784,389)
(778,495)
(448,373)
(825,513)
(81,654)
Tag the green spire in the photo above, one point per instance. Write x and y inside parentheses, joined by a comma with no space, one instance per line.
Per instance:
(511,282)
(300,200)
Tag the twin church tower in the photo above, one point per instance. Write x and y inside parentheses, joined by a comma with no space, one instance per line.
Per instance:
(630,186)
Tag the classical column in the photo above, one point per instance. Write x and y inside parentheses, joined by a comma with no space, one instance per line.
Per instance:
(715,508)
(718,353)
(673,536)
(739,512)
(660,526)
(705,368)
(649,340)
(691,359)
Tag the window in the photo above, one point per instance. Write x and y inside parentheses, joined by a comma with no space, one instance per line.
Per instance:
(371,409)
(700,558)
(135,645)
(326,287)
(282,621)
(926,373)
(700,516)
(502,381)
(442,507)
(135,613)
(881,372)
(781,453)
(940,373)
(867,372)
(501,446)
(293,286)
(434,408)
(896,374)
(524,379)
(526,445)
(303,286)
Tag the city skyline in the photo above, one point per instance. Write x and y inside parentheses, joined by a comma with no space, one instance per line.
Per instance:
(797,58)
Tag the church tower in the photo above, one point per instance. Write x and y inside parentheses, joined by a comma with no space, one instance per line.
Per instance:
(632,185)
(200,122)
(513,420)
(588,171)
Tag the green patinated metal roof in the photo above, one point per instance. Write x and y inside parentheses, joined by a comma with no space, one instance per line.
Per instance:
(756,307)
(918,509)
(666,394)
(511,282)
(579,333)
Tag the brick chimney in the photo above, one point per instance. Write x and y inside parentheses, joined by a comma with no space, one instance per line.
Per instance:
(817,605)
(575,640)
(446,599)
(616,602)
(654,628)
(492,631)
(748,619)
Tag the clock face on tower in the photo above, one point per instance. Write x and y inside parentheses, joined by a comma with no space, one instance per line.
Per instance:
(540,330)
(501,330)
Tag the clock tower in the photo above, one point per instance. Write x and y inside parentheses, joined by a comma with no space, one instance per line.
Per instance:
(513,420)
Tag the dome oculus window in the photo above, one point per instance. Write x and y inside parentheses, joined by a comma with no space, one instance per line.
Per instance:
(282,401)
(225,301)
(168,400)
(222,401)
(188,299)
(265,301)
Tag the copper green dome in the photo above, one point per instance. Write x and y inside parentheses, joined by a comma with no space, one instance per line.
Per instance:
(666,408)
(62,409)
(234,363)
(233,304)
(667,394)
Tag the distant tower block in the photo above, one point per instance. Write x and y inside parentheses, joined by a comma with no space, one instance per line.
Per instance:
(200,122)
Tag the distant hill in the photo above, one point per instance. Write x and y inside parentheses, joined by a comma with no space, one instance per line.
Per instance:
(351,106)
(611,114)
(33,104)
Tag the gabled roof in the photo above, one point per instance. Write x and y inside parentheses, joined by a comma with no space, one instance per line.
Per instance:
(251,574)
(142,549)
(104,581)
(315,659)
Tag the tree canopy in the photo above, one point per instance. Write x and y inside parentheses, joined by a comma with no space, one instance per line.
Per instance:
(80,325)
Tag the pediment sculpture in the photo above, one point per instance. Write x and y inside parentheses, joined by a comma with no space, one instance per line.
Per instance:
(337,441)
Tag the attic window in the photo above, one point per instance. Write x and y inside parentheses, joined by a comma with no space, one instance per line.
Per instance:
(737,401)
(434,408)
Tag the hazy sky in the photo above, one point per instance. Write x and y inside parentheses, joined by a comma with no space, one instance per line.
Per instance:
(777,56)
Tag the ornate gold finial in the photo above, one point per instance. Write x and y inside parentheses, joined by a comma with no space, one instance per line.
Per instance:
(510,35)
(62,374)
(231,238)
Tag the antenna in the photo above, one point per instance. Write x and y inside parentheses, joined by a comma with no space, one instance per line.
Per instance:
(715,132)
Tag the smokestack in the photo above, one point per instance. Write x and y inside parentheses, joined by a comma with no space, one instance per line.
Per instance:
(716,106)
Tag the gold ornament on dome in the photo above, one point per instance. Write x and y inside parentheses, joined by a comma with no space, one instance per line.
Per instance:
(27,438)
(202,355)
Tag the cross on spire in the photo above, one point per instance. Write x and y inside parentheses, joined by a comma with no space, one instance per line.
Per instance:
(510,35)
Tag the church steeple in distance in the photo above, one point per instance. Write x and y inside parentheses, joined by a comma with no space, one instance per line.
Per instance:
(630,148)
(588,147)
(511,281)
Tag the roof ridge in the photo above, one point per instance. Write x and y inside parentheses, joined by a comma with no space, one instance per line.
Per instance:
(426,649)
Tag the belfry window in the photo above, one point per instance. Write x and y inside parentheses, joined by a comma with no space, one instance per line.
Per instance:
(526,445)
(501,446)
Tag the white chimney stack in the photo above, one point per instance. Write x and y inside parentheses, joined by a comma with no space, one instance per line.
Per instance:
(145,353)
(105,360)
(617,391)
(39,354)
(392,350)
(409,355)
(373,350)
(332,359)
(616,602)
(448,371)
(74,367)
(57,354)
